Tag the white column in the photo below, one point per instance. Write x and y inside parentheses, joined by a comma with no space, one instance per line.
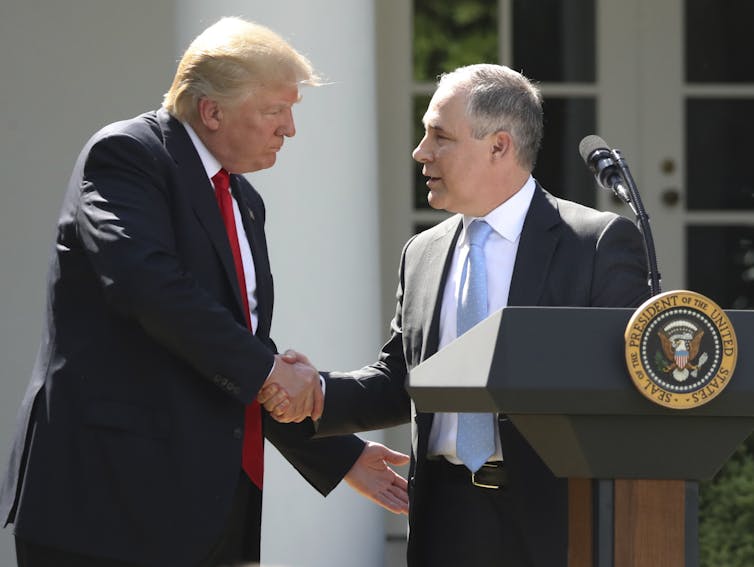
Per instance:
(68,69)
(322,227)
(321,199)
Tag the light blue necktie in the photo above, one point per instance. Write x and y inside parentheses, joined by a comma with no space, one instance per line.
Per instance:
(475,441)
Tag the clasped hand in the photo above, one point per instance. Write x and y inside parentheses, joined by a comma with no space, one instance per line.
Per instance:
(293,391)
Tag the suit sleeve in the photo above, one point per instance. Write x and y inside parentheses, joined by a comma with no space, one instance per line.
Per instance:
(375,396)
(322,462)
(124,221)
(620,271)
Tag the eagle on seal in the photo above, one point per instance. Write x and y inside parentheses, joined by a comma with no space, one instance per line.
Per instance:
(681,351)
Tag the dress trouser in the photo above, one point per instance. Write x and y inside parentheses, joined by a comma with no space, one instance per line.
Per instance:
(239,541)
(35,555)
(237,545)
(463,524)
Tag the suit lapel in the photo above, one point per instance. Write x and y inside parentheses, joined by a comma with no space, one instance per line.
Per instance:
(192,178)
(539,239)
(255,236)
(435,264)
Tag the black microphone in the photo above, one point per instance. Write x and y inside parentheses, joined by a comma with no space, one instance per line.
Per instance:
(603,164)
(612,172)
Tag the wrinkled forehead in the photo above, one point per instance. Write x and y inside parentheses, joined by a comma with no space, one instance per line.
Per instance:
(274,93)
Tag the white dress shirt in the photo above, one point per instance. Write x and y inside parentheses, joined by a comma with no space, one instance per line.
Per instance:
(500,249)
(211,167)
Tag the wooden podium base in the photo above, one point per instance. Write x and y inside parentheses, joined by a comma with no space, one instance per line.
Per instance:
(580,523)
(649,523)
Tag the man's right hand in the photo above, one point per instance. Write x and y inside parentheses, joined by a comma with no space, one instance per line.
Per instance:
(292,392)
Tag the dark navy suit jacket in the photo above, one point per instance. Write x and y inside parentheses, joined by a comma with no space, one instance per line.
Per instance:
(129,437)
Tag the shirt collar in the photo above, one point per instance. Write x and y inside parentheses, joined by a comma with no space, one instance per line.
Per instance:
(508,218)
(210,163)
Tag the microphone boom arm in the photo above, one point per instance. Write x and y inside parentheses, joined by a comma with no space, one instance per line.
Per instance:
(642,218)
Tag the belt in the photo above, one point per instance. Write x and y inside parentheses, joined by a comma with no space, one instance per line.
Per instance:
(492,475)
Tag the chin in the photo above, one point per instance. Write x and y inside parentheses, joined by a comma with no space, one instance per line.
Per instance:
(264,164)
(435,201)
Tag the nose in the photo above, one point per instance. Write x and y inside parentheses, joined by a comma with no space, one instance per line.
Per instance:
(421,152)
(287,126)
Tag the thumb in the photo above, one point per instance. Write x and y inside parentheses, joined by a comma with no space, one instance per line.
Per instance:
(290,355)
(294,356)
(394,457)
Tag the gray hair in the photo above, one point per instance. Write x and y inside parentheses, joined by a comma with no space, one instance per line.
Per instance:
(501,99)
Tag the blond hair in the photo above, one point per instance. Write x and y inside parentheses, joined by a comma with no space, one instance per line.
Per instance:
(228,60)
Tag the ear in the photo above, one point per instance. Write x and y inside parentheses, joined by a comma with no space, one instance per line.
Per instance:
(210,114)
(501,144)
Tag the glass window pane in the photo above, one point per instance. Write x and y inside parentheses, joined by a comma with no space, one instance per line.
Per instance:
(727,275)
(554,40)
(719,41)
(451,34)
(719,146)
(560,168)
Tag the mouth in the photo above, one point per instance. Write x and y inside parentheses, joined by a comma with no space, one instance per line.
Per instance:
(431,179)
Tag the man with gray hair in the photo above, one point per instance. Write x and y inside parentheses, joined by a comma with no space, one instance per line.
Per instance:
(139,439)
(479,494)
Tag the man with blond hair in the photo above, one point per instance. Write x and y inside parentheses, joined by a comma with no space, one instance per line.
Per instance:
(139,440)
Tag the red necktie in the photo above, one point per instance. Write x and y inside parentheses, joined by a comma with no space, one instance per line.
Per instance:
(252,457)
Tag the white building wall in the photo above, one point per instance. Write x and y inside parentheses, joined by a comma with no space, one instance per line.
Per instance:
(68,68)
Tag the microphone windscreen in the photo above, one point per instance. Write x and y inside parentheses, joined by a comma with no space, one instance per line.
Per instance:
(590,144)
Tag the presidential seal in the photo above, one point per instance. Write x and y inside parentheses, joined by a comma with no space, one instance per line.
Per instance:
(681,349)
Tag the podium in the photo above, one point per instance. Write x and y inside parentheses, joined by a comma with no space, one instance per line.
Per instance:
(559,374)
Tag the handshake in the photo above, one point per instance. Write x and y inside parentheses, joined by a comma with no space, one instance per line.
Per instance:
(293,390)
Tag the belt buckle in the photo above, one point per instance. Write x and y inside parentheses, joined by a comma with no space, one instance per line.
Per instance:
(481,484)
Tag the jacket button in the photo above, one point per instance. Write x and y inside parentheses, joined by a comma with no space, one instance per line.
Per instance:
(412,481)
(237,433)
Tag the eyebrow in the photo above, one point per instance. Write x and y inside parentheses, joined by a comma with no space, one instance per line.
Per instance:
(283,101)
(435,127)
(280,104)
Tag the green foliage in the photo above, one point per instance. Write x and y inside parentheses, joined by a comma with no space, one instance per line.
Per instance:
(726,513)
(661,363)
(451,34)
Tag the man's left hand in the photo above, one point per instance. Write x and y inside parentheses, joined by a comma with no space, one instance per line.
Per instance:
(371,477)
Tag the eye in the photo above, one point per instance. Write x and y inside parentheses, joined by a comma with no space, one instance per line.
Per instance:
(439,134)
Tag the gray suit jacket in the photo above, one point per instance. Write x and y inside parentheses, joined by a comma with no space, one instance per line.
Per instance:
(569,255)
